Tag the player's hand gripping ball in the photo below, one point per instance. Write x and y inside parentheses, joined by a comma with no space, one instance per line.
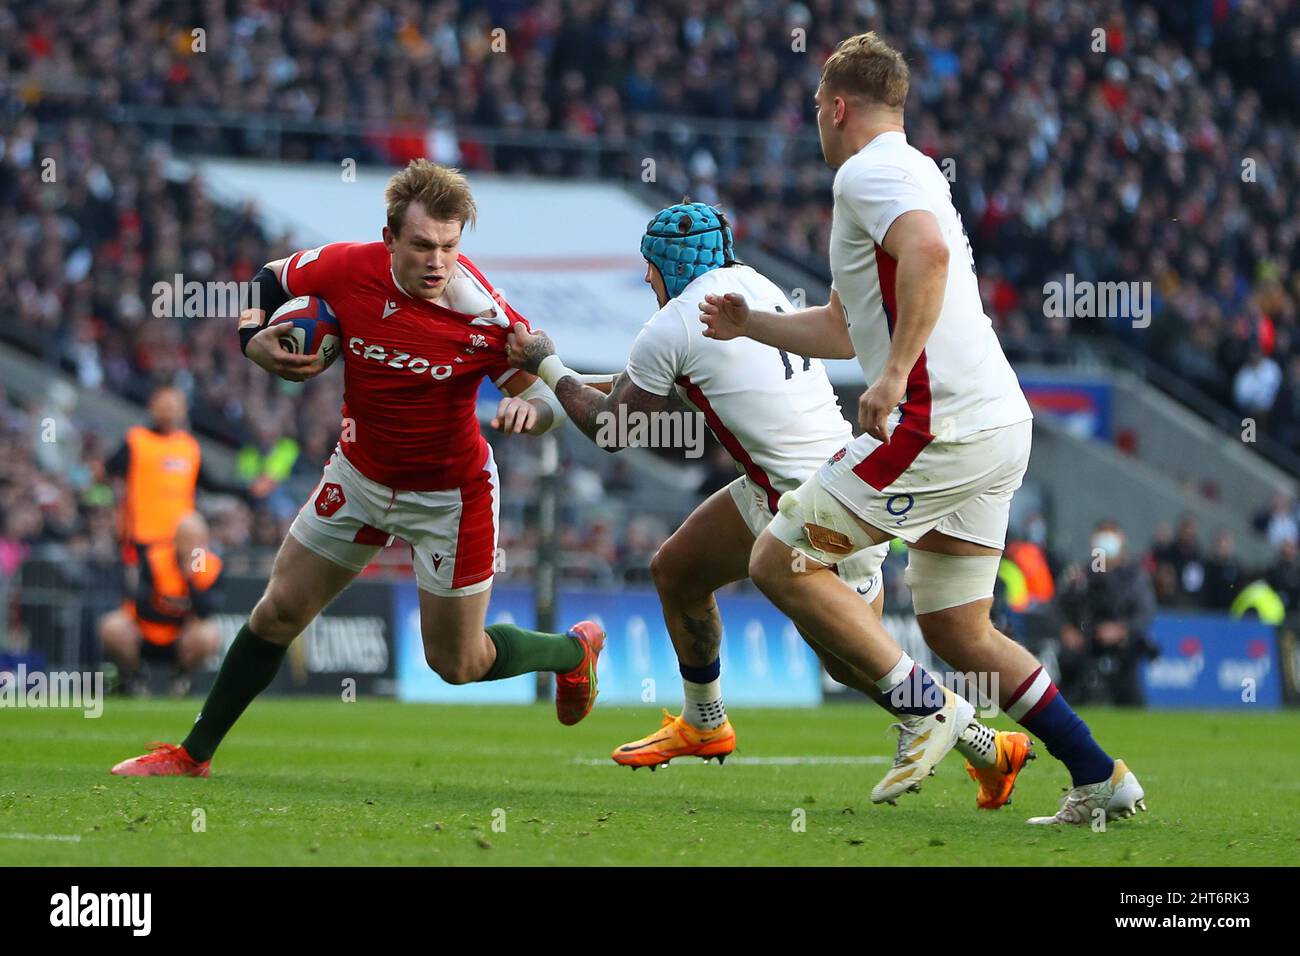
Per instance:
(308,326)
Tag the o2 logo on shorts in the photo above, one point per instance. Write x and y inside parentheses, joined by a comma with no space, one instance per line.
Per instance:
(899,506)
(330,499)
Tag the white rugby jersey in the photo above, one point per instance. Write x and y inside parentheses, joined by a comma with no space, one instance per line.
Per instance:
(962,383)
(775,412)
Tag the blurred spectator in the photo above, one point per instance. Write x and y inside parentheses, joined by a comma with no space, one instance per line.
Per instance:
(1284,575)
(1106,611)
(271,455)
(642,538)
(1286,417)
(1029,554)
(1280,522)
(620,479)
(57,442)
(1254,388)
(1180,570)
(582,485)
(265,464)
(1223,574)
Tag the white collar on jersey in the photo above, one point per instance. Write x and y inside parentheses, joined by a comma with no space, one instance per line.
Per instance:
(397,285)
(466,295)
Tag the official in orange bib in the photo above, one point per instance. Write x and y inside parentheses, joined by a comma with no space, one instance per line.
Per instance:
(170,617)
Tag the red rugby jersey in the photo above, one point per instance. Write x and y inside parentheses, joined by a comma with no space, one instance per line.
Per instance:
(411,369)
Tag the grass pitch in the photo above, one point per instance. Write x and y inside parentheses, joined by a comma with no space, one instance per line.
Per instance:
(321,782)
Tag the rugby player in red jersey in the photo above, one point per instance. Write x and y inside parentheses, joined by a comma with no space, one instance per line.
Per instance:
(421,327)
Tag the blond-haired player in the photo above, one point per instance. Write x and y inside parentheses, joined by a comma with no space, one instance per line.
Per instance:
(946,440)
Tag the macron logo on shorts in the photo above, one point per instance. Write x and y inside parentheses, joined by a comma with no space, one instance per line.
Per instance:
(330,499)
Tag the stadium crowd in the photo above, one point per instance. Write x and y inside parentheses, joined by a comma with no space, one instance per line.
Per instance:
(1153,159)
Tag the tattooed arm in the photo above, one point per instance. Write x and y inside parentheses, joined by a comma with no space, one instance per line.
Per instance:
(599,416)
(595,413)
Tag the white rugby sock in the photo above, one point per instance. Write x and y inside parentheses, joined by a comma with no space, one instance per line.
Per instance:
(704,709)
(978,744)
(897,674)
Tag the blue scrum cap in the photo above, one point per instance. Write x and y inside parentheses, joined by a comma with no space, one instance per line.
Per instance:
(685,241)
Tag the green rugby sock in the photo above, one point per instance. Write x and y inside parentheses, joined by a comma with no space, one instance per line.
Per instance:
(521,651)
(249,667)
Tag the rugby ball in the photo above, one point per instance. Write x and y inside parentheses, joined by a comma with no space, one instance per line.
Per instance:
(309,327)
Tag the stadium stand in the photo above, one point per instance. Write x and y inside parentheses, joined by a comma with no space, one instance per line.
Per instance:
(1148,160)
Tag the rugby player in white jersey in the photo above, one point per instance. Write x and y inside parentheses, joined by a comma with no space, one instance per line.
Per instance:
(946,436)
(778,417)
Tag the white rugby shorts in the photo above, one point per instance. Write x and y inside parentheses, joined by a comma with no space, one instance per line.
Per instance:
(452,533)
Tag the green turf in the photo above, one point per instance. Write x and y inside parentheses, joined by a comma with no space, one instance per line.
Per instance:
(327,782)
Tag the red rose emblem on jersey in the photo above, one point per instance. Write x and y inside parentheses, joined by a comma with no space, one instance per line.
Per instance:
(330,499)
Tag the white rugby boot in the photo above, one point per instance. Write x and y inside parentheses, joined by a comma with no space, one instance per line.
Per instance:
(922,743)
(1121,796)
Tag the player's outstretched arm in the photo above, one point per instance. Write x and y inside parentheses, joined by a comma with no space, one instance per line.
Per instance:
(527,408)
(817,332)
(590,408)
(597,415)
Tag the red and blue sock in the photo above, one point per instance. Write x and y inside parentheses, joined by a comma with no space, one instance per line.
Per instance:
(1039,707)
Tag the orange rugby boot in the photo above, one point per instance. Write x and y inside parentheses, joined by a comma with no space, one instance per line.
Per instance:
(1014,750)
(676,738)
